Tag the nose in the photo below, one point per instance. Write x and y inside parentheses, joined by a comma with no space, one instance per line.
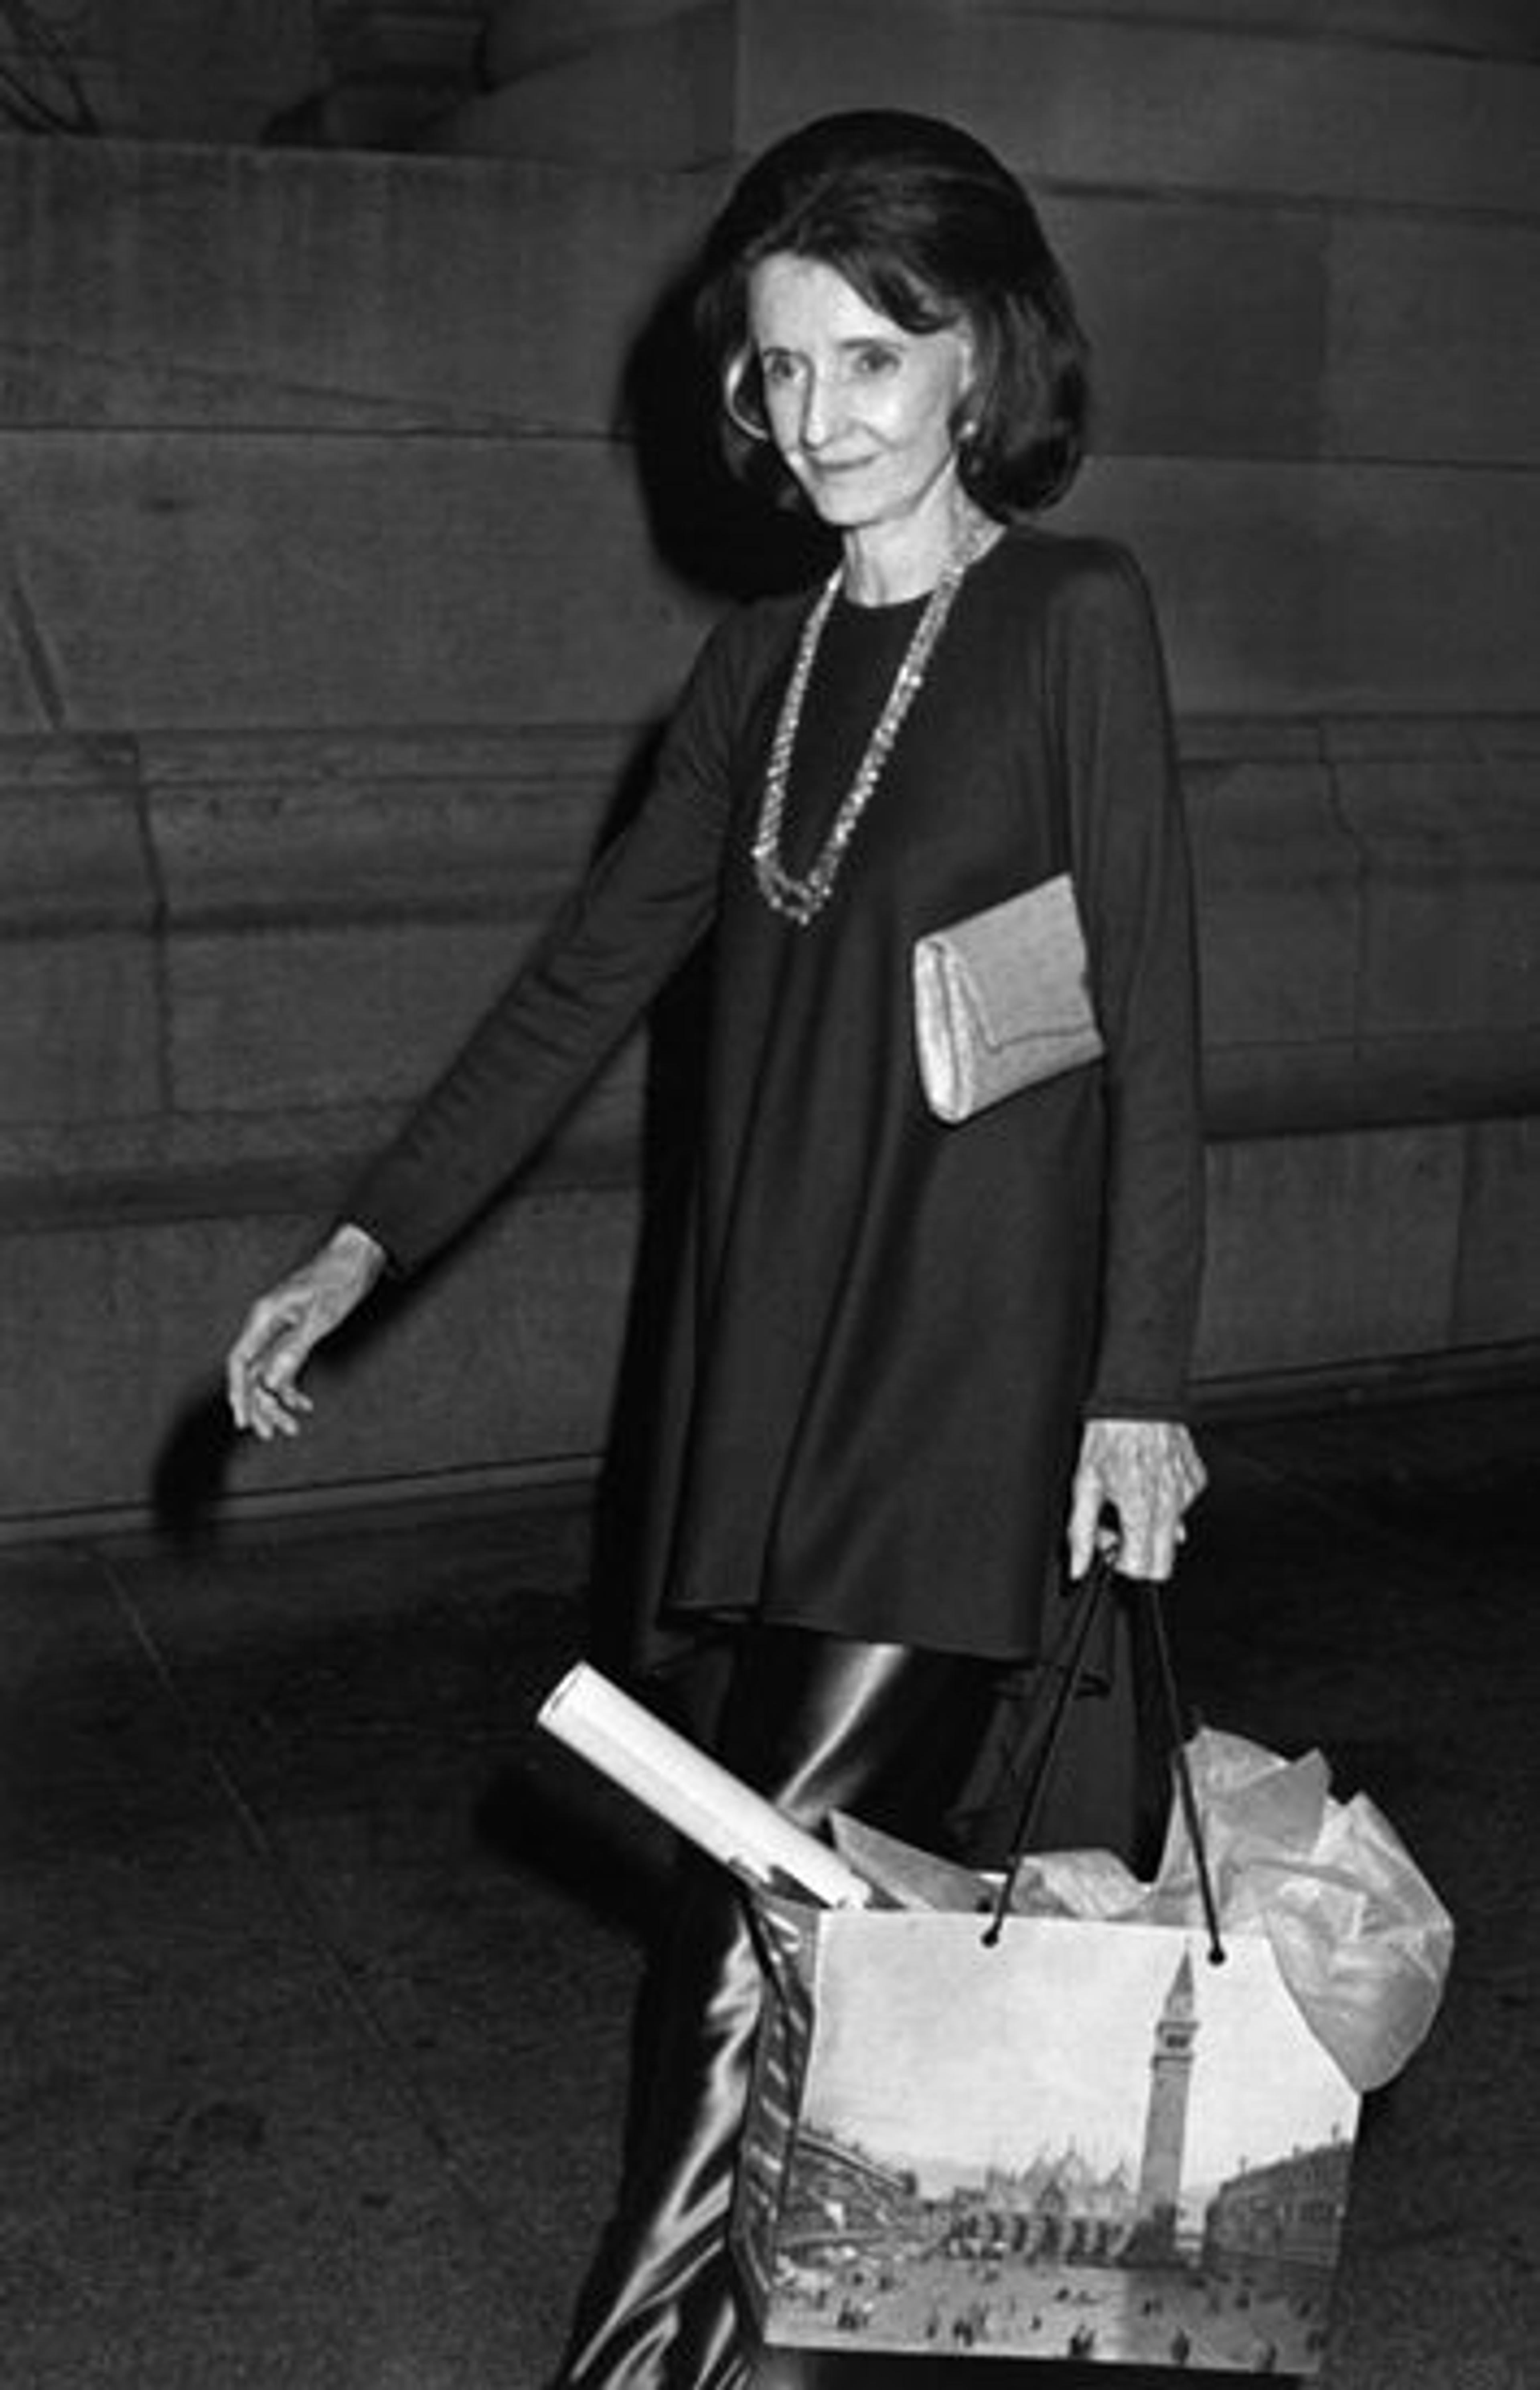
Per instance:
(823,412)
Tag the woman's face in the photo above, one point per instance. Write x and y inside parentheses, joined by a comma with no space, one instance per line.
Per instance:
(861,411)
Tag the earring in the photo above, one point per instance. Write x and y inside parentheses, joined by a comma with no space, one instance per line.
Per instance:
(732,386)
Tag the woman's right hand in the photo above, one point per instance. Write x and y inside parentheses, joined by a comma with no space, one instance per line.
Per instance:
(284,1326)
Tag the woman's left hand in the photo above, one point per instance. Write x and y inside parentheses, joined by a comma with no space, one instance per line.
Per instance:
(1147,1472)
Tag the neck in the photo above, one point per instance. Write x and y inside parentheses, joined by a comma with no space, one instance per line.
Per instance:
(887,562)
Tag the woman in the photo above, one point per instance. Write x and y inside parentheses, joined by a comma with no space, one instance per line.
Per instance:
(908,1358)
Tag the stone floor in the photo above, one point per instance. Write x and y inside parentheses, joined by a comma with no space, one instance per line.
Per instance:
(316,1959)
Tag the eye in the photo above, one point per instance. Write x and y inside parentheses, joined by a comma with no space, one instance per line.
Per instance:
(777,371)
(874,359)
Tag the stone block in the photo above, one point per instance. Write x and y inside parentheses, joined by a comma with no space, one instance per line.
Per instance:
(80,1025)
(1369,922)
(152,285)
(522,34)
(340,910)
(1124,104)
(275,1019)
(1324,1251)
(73,855)
(1291,587)
(507,1361)
(1434,342)
(1452,893)
(1497,1279)
(195,582)
(24,704)
(78,998)
(657,93)
(330,1019)
(1236,329)
(1279,908)
(1208,325)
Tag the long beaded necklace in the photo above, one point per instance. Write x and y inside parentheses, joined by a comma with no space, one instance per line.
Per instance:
(800,901)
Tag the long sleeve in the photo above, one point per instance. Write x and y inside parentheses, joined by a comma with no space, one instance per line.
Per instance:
(644,906)
(1118,751)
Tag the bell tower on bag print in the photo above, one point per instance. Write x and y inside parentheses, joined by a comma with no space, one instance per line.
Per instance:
(1153,2239)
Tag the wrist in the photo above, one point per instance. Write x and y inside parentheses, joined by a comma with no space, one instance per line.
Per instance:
(364,1255)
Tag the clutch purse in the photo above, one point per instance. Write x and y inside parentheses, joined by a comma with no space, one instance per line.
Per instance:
(1001,1001)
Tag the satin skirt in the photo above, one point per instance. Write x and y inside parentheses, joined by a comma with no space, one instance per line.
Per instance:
(817,1723)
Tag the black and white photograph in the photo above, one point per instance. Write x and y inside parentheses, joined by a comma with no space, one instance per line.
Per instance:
(769,943)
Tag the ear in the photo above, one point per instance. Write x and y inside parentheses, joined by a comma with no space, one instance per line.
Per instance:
(970,378)
(737,401)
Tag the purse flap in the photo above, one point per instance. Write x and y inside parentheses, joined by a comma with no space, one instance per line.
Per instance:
(1023,966)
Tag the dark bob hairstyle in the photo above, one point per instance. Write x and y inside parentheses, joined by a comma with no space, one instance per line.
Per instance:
(931,230)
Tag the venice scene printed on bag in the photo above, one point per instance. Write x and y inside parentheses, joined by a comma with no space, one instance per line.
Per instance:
(1089,2141)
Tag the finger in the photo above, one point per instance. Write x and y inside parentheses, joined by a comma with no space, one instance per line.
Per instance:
(264,1395)
(271,1415)
(279,1365)
(245,1388)
(254,1354)
(1084,1511)
(250,1388)
(1160,1558)
(1145,1527)
(1165,1531)
(239,1368)
(284,1395)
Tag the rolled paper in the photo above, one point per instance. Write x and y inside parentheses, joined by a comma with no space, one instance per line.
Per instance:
(696,1795)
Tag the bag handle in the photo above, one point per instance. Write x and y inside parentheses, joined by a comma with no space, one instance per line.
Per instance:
(1068,1657)
(1154,1593)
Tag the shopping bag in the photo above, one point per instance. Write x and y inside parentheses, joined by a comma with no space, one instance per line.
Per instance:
(1059,2112)
(1064,2115)
(1080,2139)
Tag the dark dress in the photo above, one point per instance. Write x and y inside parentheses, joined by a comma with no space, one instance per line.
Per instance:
(888,1330)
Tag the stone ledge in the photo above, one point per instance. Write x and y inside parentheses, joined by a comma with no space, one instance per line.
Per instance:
(299,830)
(128,1174)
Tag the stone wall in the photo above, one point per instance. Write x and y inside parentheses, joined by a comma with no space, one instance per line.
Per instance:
(351,73)
(333,616)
